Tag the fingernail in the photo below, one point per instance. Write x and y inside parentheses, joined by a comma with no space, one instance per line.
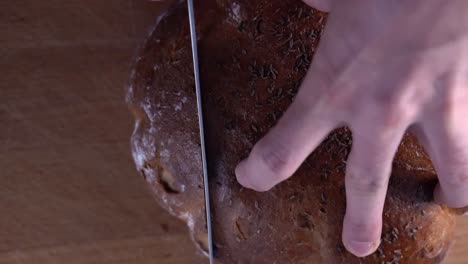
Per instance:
(361,249)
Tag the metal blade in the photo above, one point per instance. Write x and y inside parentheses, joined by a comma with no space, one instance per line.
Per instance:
(196,71)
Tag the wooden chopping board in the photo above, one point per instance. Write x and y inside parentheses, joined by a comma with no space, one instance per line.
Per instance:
(69,192)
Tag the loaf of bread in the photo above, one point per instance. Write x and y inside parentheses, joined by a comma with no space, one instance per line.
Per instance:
(253,56)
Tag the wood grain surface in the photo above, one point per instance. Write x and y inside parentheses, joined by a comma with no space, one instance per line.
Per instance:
(69,192)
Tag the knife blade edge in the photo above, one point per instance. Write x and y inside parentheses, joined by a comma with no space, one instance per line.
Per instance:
(196,71)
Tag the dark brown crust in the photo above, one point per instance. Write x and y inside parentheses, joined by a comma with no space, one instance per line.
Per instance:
(253,56)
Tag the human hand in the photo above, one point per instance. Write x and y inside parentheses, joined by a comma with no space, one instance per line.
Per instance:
(381,67)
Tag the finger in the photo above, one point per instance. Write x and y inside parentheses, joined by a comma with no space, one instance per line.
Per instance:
(367,174)
(314,113)
(448,141)
(280,153)
(322,5)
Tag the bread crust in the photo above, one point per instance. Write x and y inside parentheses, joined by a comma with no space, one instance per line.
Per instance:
(253,56)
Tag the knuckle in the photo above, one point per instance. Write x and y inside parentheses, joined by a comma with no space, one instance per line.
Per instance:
(447,107)
(364,182)
(392,117)
(277,160)
(359,227)
(392,111)
(455,171)
(456,179)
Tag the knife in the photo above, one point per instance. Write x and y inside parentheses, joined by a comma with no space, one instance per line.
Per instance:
(196,72)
